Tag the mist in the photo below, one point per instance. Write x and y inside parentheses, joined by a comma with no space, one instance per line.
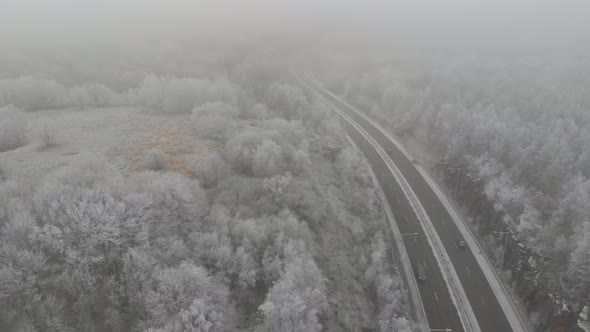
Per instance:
(523,24)
(313,165)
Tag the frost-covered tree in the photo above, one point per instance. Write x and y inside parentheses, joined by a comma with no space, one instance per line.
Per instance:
(296,300)
(93,94)
(280,146)
(32,93)
(181,291)
(97,243)
(213,169)
(182,95)
(288,100)
(214,120)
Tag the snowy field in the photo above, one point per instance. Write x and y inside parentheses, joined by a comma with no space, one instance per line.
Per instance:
(120,135)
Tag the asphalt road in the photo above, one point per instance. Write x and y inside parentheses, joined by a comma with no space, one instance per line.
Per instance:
(439,308)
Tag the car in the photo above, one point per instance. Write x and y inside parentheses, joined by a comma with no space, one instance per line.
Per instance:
(421,272)
(389,152)
(461,243)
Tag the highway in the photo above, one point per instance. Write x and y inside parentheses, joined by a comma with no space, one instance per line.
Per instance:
(439,307)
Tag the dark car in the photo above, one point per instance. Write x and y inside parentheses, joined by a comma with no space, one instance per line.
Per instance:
(461,243)
(421,272)
(389,152)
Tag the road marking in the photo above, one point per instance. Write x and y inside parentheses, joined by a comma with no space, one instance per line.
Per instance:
(425,267)
(415,239)
(435,296)
(468,270)
(482,300)
(397,199)
(407,220)
(371,141)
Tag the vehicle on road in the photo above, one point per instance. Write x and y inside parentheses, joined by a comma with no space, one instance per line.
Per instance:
(461,243)
(421,272)
(389,152)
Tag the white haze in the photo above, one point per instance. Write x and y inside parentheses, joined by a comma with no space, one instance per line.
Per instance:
(529,24)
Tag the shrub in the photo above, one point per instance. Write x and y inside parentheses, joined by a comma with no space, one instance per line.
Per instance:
(214,120)
(47,133)
(154,160)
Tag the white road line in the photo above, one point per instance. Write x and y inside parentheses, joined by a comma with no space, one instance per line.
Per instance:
(468,270)
(498,288)
(435,296)
(506,302)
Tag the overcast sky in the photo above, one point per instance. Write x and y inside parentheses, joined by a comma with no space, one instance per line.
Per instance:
(511,21)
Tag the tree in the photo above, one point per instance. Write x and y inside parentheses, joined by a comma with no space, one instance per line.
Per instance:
(267,159)
(200,317)
(288,100)
(182,95)
(92,94)
(214,169)
(32,93)
(178,288)
(214,120)
(296,300)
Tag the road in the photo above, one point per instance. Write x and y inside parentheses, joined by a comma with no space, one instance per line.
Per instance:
(440,310)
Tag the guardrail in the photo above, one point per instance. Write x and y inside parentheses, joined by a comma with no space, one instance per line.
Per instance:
(417,306)
(512,312)
(458,295)
(505,294)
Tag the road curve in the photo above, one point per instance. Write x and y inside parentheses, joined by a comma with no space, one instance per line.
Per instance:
(438,304)
(435,296)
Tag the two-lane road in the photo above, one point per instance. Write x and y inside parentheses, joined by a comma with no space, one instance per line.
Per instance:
(439,307)
(435,295)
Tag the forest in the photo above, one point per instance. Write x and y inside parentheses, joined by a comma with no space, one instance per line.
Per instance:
(277,227)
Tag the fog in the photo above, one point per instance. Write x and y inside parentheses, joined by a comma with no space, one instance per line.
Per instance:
(457,23)
(207,165)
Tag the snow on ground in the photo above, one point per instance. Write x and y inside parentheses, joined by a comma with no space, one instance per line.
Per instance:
(120,135)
